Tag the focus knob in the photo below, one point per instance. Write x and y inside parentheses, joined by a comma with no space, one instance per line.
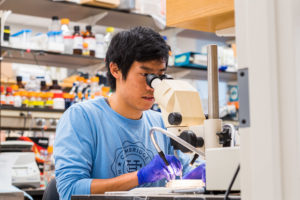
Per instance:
(191,138)
(175,118)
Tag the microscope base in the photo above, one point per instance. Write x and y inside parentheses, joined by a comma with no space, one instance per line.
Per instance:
(221,164)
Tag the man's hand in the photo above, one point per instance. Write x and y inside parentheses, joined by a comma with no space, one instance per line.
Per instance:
(197,173)
(157,170)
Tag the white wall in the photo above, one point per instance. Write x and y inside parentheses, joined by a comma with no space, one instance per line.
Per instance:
(267,35)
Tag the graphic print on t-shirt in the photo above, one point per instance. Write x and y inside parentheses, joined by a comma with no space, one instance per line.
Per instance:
(130,157)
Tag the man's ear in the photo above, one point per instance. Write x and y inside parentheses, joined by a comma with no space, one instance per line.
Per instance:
(114,70)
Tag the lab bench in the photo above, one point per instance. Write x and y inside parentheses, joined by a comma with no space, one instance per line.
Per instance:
(11,195)
(155,197)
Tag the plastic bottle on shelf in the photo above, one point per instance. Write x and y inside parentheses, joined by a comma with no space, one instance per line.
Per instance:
(55,41)
(64,22)
(90,39)
(3,96)
(44,98)
(39,100)
(95,88)
(79,97)
(51,40)
(85,49)
(49,101)
(74,87)
(49,168)
(35,101)
(19,83)
(32,84)
(100,46)
(105,91)
(59,42)
(32,99)
(43,86)
(24,97)
(81,83)
(15,89)
(108,36)
(67,35)
(9,96)
(58,101)
(86,96)
(55,88)
(68,99)
(17,99)
(77,41)
(54,25)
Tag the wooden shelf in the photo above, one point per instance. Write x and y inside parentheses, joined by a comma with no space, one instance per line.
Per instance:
(77,12)
(40,57)
(201,15)
(13,118)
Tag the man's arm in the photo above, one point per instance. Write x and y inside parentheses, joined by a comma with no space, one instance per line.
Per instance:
(120,183)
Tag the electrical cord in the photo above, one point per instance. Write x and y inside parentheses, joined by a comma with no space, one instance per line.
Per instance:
(24,125)
(231,183)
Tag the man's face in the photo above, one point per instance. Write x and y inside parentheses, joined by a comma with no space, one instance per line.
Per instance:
(135,92)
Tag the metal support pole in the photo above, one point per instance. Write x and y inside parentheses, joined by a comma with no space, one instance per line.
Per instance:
(213,79)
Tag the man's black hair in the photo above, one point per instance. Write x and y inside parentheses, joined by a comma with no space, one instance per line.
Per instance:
(137,44)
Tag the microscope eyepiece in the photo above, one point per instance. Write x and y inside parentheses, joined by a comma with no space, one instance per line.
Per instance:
(150,78)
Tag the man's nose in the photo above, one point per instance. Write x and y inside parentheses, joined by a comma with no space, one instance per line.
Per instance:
(149,88)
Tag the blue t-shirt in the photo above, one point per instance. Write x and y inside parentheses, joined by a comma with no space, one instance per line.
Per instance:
(95,142)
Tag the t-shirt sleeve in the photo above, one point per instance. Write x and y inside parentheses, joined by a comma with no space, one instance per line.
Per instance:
(73,149)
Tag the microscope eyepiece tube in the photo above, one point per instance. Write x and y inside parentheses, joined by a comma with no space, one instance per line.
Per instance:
(213,80)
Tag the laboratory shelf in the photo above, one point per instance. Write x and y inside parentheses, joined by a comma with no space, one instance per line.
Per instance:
(76,12)
(8,128)
(40,57)
(34,119)
(47,58)
(5,107)
(198,74)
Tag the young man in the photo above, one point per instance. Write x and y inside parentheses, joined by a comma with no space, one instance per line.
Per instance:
(104,144)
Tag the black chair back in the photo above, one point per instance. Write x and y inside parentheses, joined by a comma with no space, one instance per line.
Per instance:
(51,191)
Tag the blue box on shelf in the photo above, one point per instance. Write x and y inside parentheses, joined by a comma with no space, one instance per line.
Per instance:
(191,59)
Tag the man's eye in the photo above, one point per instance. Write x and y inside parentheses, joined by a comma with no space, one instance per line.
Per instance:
(144,74)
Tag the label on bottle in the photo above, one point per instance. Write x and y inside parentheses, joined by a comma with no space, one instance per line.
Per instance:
(68,43)
(77,42)
(91,43)
(25,102)
(10,100)
(3,99)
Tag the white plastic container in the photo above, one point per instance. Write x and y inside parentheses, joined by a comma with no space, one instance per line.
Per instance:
(58,101)
(108,36)
(100,46)
(17,100)
(21,39)
(55,41)
(67,35)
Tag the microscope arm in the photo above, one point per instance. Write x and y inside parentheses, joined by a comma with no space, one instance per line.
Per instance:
(174,137)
